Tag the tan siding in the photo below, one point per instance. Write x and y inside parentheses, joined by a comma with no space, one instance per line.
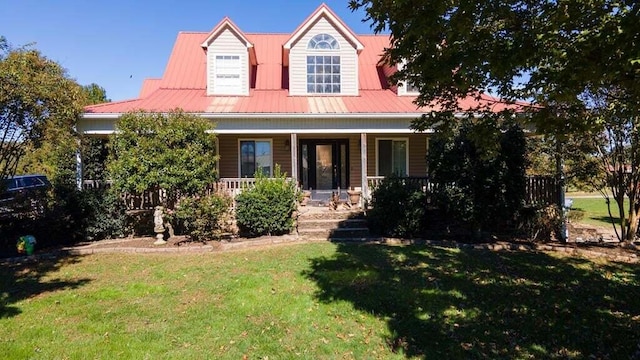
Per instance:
(355,168)
(228,156)
(298,60)
(417,155)
(227,44)
(282,155)
(230,149)
(371,155)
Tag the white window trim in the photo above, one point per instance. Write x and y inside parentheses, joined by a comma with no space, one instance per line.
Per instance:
(406,139)
(240,140)
(332,49)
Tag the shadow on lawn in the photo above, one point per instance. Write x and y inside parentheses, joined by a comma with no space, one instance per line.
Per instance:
(606,219)
(444,303)
(23,280)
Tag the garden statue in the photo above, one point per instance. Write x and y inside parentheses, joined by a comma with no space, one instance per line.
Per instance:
(158,226)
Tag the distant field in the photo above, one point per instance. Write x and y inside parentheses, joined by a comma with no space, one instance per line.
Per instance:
(595,209)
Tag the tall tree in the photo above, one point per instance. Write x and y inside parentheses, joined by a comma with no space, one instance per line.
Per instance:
(94,94)
(39,105)
(173,152)
(551,53)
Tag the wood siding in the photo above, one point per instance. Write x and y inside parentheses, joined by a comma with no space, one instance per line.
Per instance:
(227,43)
(229,153)
(298,60)
(229,165)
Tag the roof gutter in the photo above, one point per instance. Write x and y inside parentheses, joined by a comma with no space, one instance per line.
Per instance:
(285,115)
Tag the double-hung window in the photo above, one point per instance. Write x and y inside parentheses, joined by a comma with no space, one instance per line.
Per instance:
(255,155)
(228,70)
(393,155)
(323,65)
(411,88)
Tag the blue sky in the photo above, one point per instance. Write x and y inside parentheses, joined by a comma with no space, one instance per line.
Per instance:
(118,43)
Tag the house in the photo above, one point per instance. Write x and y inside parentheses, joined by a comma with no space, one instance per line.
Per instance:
(315,101)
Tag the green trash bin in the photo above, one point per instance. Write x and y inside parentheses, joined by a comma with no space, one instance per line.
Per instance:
(26,244)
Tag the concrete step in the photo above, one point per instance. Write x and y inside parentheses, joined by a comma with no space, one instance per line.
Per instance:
(367,239)
(324,214)
(341,233)
(331,223)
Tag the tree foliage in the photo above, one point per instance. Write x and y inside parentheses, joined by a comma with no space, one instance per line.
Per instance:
(550,52)
(94,94)
(556,55)
(618,149)
(39,105)
(173,152)
(480,186)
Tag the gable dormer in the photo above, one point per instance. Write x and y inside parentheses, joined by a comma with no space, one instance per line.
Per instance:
(322,56)
(229,58)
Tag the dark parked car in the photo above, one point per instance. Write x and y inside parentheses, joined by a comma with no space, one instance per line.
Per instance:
(23,192)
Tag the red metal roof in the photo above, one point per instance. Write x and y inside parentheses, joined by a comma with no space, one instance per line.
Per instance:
(184,84)
(149,86)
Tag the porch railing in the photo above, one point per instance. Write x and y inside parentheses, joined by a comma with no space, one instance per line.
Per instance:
(539,189)
(149,199)
(420,181)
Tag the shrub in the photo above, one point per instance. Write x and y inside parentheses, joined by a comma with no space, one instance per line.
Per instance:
(104,214)
(204,217)
(68,217)
(540,222)
(575,215)
(267,208)
(84,215)
(398,209)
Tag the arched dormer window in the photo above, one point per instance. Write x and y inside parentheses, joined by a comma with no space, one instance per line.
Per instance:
(323,65)
(323,42)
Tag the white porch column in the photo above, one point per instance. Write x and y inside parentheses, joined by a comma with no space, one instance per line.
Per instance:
(294,157)
(79,165)
(363,166)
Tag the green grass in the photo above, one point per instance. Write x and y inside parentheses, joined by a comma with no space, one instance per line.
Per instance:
(320,301)
(596,212)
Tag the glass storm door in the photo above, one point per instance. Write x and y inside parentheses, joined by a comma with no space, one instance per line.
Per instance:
(324,164)
(324,167)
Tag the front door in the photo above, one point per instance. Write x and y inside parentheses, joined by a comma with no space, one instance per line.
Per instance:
(324,164)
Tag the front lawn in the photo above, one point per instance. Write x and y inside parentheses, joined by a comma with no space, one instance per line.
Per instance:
(596,212)
(321,301)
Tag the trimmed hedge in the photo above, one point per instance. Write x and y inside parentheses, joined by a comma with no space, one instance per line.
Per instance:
(204,217)
(268,207)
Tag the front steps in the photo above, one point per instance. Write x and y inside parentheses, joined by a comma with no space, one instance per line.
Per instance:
(322,223)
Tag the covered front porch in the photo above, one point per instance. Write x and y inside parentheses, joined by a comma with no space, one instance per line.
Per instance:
(322,163)
(323,153)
